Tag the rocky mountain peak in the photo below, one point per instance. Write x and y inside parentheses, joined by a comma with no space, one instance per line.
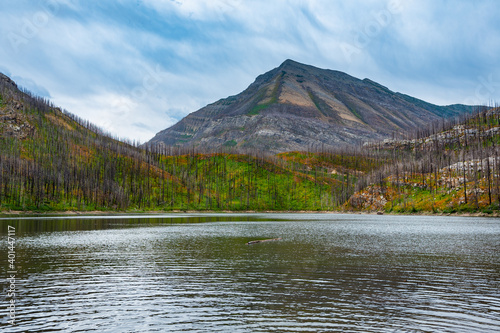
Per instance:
(299,107)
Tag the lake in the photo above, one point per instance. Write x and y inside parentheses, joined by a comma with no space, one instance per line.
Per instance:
(195,273)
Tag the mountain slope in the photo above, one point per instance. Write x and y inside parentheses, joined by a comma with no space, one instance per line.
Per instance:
(299,107)
(450,169)
(52,160)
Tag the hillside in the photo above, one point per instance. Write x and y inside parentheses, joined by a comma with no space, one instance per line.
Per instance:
(454,169)
(51,160)
(297,107)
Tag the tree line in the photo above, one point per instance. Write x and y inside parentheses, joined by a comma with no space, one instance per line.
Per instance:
(452,165)
(71,164)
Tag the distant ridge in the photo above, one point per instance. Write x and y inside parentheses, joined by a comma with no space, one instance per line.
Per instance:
(299,107)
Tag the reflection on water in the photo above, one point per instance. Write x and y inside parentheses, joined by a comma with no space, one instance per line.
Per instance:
(191,273)
(85,222)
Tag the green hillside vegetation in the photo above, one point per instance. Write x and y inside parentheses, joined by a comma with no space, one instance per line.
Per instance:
(271,100)
(454,169)
(53,161)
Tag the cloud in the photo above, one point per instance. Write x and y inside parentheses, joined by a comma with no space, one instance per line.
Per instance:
(197,9)
(137,67)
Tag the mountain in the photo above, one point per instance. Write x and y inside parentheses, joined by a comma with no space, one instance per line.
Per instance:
(299,107)
(51,160)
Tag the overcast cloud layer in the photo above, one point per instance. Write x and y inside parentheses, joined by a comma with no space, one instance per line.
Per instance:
(137,67)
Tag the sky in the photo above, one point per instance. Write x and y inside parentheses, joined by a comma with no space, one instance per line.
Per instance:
(136,67)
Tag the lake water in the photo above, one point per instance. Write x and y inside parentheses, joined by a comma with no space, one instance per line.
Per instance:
(195,273)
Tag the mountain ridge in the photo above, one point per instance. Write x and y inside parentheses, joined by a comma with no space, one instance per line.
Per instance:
(298,107)
(51,160)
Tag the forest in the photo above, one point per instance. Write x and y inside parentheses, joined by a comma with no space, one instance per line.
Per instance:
(453,166)
(51,160)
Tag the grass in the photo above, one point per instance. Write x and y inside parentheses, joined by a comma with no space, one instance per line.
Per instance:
(231,143)
(420,194)
(333,161)
(315,101)
(274,98)
(256,109)
(354,112)
(188,182)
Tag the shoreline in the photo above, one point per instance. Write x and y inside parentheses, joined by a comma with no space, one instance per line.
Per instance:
(159,213)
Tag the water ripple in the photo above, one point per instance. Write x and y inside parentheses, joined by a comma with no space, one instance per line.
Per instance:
(326,275)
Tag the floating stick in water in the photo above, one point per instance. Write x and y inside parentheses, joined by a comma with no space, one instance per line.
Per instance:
(263,240)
